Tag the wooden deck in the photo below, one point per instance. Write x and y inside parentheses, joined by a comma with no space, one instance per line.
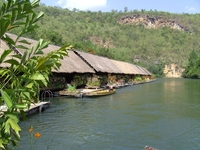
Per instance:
(37,108)
(34,108)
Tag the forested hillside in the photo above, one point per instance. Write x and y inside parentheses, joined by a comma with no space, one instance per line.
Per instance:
(102,33)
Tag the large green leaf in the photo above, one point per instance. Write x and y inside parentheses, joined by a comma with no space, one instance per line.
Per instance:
(4,72)
(44,82)
(18,23)
(21,47)
(12,61)
(8,40)
(40,65)
(30,85)
(16,56)
(35,3)
(21,106)
(12,115)
(41,45)
(24,56)
(37,76)
(25,42)
(26,95)
(4,55)
(13,124)
(6,98)
(3,8)
(41,14)
(1,144)
(4,23)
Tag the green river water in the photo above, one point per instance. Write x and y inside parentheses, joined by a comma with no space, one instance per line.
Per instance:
(164,114)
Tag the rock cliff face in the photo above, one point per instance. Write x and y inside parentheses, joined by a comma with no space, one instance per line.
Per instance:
(151,22)
(173,71)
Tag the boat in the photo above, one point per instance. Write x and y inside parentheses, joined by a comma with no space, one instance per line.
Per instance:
(101,92)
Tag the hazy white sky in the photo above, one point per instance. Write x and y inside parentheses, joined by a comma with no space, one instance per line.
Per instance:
(172,6)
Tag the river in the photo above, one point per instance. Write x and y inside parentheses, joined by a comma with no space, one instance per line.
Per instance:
(164,114)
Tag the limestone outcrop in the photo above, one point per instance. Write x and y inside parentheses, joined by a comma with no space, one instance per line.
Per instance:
(173,71)
(151,22)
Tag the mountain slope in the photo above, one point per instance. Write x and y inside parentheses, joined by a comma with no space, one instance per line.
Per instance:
(104,33)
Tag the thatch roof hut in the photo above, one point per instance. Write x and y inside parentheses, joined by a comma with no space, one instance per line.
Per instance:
(74,64)
(137,69)
(126,68)
(70,64)
(99,63)
(148,73)
(141,70)
(80,62)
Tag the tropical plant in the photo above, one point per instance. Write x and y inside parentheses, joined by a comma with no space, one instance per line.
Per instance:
(138,79)
(157,70)
(21,81)
(192,70)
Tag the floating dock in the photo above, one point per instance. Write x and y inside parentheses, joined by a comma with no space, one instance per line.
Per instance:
(37,108)
(34,108)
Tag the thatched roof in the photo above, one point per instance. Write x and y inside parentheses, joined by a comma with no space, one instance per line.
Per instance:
(71,63)
(137,70)
(148,73)
(80,62)
(126,68)
(99,63)
(141,70)
(33,44)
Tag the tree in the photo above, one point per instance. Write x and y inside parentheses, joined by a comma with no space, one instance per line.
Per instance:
(193,57)
(125,9)
(22,80)
(192,70)
(156,70)
(54,37)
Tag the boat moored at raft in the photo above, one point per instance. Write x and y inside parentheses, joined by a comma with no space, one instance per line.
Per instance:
(101,92)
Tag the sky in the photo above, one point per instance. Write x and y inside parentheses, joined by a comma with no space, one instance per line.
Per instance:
(172,6)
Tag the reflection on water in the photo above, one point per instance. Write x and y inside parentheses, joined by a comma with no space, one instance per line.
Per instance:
(163,114)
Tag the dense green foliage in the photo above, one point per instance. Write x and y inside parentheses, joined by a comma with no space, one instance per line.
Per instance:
(20,83)
(100,33)
(193,68)
(157,70)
